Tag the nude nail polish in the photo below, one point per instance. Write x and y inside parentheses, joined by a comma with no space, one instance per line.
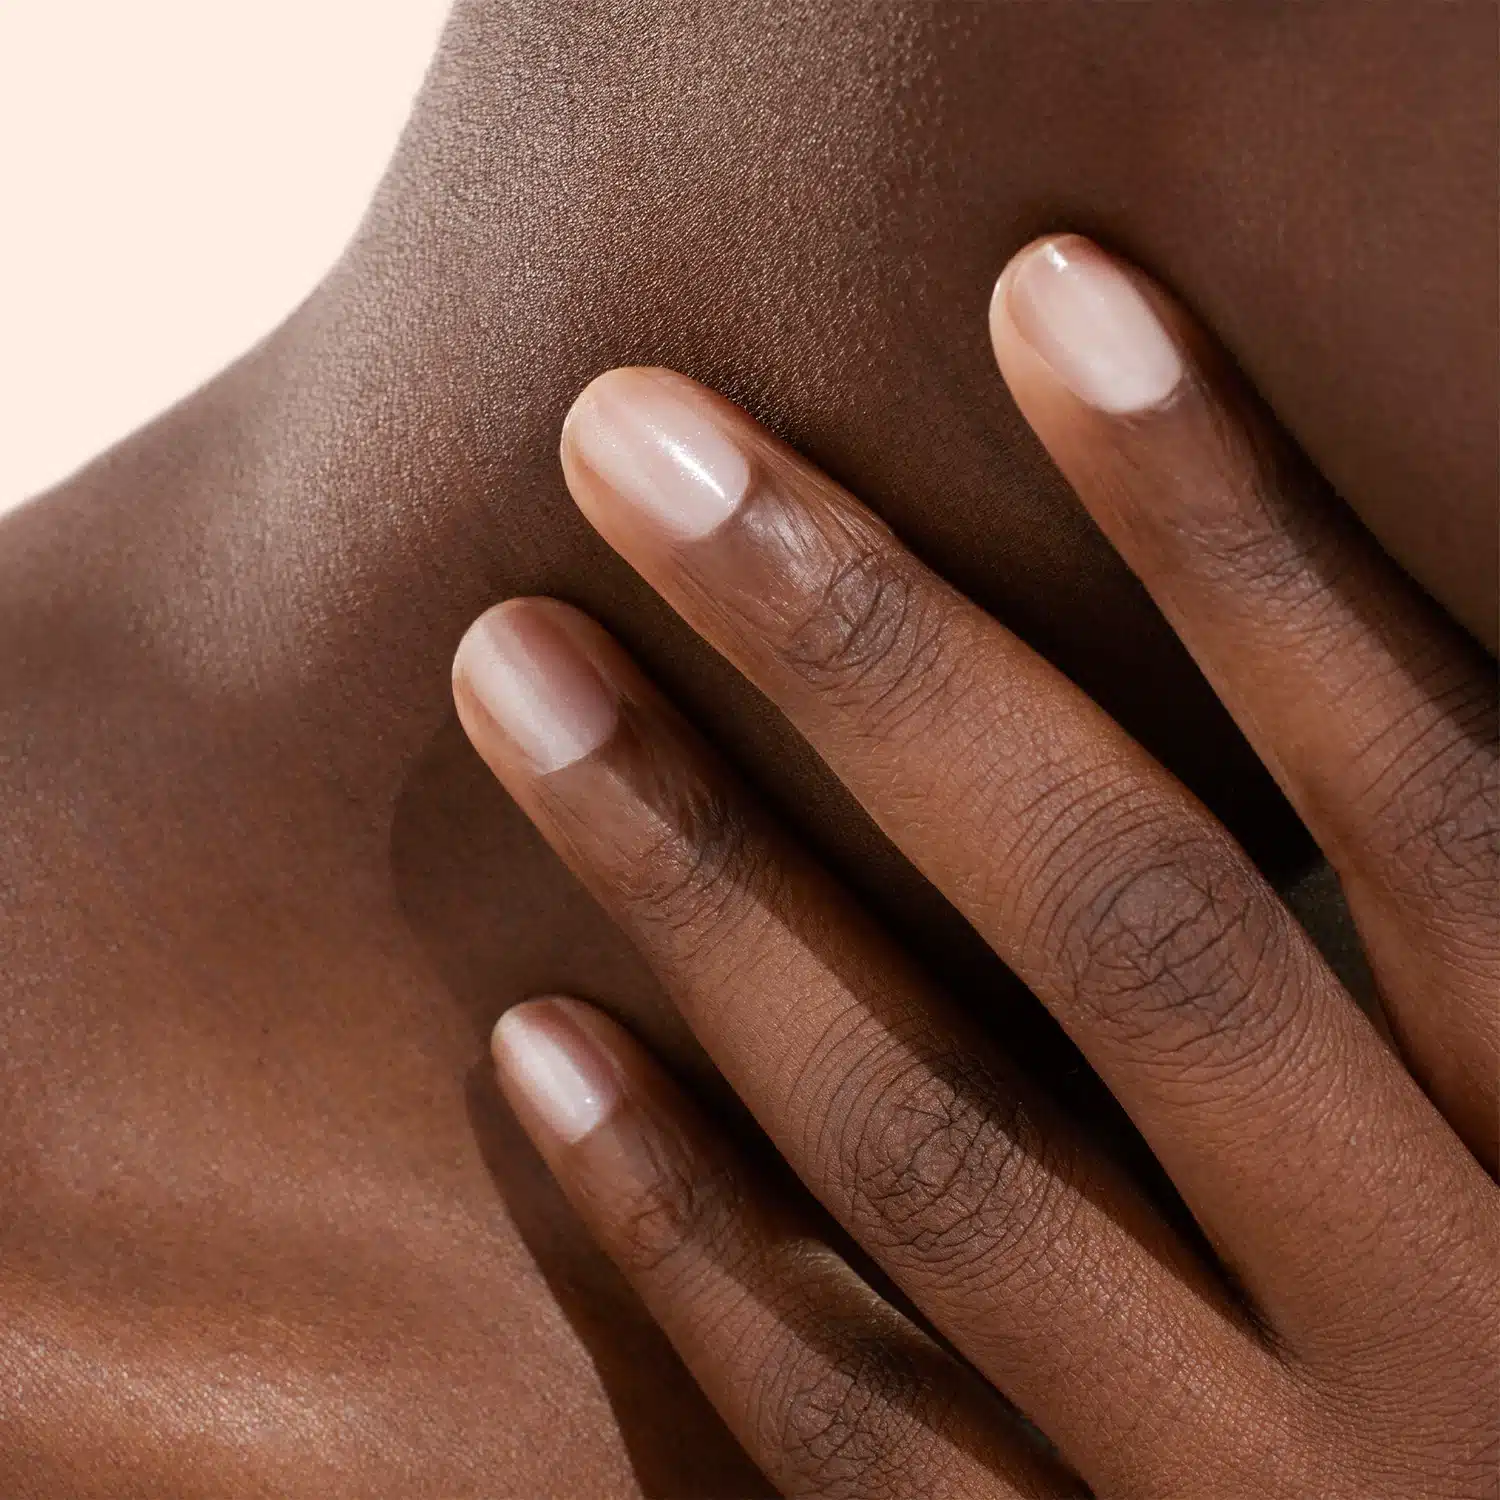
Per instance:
(536,684)
(558,1066)
(658,445)
(1086,319)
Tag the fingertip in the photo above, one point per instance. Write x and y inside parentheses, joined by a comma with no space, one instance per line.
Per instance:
(618,383)
(515,1019)
(510,1028)
(1066,314)
(551,1056)
(527,666)
(650,455)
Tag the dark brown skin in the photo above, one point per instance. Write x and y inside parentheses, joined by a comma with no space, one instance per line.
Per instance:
(268,1228)
(1350,1349)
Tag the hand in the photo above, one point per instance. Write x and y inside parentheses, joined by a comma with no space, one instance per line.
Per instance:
(1336,1334)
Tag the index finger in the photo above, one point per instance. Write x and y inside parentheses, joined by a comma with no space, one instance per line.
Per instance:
(1377,716)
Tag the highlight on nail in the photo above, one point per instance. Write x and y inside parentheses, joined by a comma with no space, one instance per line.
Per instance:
(522,664)
(658,444)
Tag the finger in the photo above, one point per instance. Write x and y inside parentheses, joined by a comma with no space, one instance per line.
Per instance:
(830,1390)
(1377,715)
(1092,872)
(1039,1261)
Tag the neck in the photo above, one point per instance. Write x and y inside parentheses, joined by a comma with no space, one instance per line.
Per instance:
(330,513)
(784,206)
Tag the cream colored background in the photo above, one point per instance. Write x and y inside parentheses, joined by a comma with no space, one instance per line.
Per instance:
(175,175)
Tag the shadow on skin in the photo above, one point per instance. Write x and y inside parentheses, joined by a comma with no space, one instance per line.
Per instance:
(455,830)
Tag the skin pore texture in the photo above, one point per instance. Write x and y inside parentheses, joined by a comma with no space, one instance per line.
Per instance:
(269,1229)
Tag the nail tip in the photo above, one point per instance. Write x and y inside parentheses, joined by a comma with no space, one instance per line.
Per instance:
(502,1032)
(542,691)
(511,1027)
(567,1078)
(1085,317)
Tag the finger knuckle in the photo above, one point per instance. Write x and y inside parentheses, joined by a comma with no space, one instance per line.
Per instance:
(1237,529)
(873,638)
(948,1172)
(1243,549)
(1173,946)
(701,861)
(1433,816)
(840,1422)
(681,1209)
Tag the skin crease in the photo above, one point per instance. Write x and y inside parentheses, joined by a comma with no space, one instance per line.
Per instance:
(1356,1225)
(268,1228)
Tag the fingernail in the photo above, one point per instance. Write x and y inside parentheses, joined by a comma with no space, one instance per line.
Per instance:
(536,684)
(562,1071)
(1091,325)
(659,447)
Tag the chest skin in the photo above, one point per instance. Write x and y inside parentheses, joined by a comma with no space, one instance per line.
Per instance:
(267,1229)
